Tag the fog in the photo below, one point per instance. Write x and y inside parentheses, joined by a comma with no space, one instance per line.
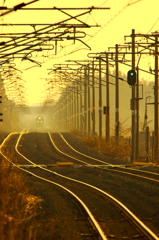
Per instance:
(21,117)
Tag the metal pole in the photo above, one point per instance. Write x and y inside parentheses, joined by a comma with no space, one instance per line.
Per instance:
(100,100)
(64,113)
(89,110)
(137,114)
(117,97)
(74,107)
(107,101)
(78,112)
(156,92)
(70,111)
(85,103)
(72,117)
(93,100)
(133,105)
(81,113)
(67,113)
(147,141)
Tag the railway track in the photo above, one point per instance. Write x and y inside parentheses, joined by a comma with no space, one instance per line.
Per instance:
(126,169)
(93,229)
(66,149)
(142,230)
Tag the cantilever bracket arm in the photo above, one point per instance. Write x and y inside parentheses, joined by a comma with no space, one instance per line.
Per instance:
(31,60)
(84,43)
(19,6)
(73,17)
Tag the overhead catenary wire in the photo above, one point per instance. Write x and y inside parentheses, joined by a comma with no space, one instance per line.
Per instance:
(97,32)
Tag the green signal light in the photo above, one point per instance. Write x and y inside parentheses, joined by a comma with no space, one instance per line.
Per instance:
(131,77)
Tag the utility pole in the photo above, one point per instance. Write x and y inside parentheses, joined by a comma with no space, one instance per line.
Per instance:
(74,106)
(81,104)
(156,92)
(89,107)
(93,100)
(117,97)
(72,93)
(100,100)
(68,110)
(137,113)
(85,102)
(133,103)
(107,101)
(78,111)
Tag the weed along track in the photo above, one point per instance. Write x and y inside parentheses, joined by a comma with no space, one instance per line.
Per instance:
(82,199)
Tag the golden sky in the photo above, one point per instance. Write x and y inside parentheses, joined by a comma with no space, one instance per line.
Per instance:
(124,15)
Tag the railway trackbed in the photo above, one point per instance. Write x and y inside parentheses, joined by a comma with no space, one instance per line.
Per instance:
(98,201)
(97,163)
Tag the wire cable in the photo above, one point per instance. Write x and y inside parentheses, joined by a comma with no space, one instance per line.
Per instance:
(153,25)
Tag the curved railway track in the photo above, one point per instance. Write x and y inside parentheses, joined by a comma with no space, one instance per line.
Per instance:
(94,230)
(145,232)
(152,176)
(66,149)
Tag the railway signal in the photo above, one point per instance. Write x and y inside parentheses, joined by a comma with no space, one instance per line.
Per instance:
(131,77)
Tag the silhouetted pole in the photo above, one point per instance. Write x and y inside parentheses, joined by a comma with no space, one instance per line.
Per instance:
(89,106)
(137,113)
(156,92)
(69,109)
(72,108)
(117,96)
(107,101)
(100,100)
(75,104)
(85,102)
(81,104)
(93,100)
(133,103)
(78,110)
(147,141)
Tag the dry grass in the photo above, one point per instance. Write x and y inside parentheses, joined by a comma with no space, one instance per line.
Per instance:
(112,149)
(17,206)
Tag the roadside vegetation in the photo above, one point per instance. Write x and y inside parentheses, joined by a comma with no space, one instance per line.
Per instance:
(18,208)
(120,148)
(113,149)
(116,149)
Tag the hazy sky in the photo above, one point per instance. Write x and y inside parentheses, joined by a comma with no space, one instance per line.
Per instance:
(123,16)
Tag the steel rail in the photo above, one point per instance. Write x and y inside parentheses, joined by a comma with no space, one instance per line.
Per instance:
(93,221)
(65,153)
(115,166)
(136,175)
(83,153)
(132,218)
(135,220)
(76,152)
(138,170)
